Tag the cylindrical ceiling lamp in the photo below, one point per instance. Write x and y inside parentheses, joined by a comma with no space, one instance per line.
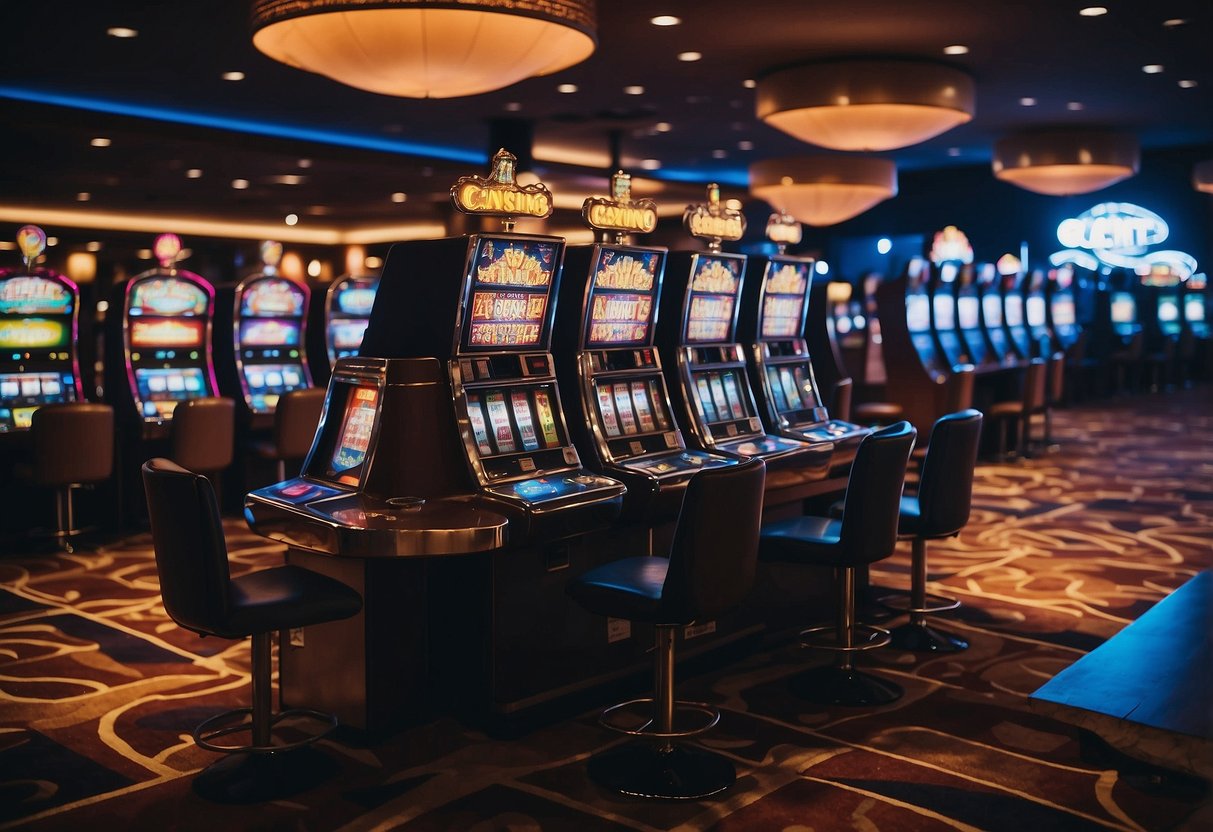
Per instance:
(1060,163)
(866,104)
(823,190)
(1202,176)
(423,48)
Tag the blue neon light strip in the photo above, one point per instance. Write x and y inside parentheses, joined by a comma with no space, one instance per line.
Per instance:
(737,178)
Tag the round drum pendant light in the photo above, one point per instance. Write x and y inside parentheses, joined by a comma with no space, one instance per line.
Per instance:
(1060,163)
(426,49)
(823,190)
(1202,176)
(865,104)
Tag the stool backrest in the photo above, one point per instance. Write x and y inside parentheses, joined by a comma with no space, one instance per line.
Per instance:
(296,418)
(72,442)
(959,391)
(191,554)
(872,507)
(203,433)
(1056,385)
(945,489)
(715,549)
(1034,381)
(840,399)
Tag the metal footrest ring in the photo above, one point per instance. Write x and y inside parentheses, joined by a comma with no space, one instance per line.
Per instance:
(207,732)
(867,637)
(901,602)
(711,714)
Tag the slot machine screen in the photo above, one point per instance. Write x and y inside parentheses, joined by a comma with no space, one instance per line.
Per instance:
(167,296)
(508,297)
(720,396)
(33,333)
(272,297)
(1124,308)
(1168,309)
(783,300)
(167,332)
(268,382)
(1035,310)
(842,318)
(967,311)
(991,305)
(513,420)
(356,300)
(712,307)
(347,335)
(1014,310)
(945,312)
(918,312)
(161,389)
(1194,308)
(353,440)
(1063,311)
(33,295)
(267,332)
(621,308)
(630,408)
(23,393)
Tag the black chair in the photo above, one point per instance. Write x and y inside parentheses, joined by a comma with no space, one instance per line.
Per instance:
(866,533)
(296,417)
(200,595)
(709,571)
(73,446)
(1019,412)
(939,509)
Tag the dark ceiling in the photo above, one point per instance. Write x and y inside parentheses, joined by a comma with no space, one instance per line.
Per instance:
(64,81)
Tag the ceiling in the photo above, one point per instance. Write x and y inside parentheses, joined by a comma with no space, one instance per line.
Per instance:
(334,155)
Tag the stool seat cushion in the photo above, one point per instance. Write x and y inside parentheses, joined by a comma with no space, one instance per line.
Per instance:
(1014,408)
(812,540)
(628,588)
(283,597)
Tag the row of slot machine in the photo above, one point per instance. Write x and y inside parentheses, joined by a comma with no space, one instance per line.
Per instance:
(172,336)
(544,406)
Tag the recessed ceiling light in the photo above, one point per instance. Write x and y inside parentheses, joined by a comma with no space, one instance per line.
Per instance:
(1152,69)
(956,49)
(745,144)
(1187,84)
(634,89)
(291,219)
(373,262)
(100,141)
(1093,11)
(399,197)
(1174,21)
(1074,105)
(144,254)
(52,241)
(304,163)
(288,179)
(650,164)
(193,173)
(122,32)
(689,56)
(513,106)
(1027,101)
(95,245)
(233,76)
(953,151)
(318,210)
(665,20)
(314,268)
(240,184)
(720,154)
(567,88)
(749,83)
(83,196)
(663,127)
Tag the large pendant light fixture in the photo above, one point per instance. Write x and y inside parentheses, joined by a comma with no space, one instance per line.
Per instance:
(823,190)
(866,104)
(423,48)
(1202,176)
(1061,163)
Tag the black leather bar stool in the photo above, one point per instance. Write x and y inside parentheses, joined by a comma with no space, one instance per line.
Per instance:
(1055,392)
(877,413)
(200,595)
(939,509)
(866,533)
(203,434)
(709,571)
(296,417)
(73,446)
(1019,412)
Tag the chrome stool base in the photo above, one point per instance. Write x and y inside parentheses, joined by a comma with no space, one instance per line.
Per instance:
(243,778)
(673,771)
(834,685)
(921,638)
(210,730)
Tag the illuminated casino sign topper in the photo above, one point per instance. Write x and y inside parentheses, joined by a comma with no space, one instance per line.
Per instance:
(620,213)
(1119,234)
(951,245)
(498,195)
(783,230)
(713,221)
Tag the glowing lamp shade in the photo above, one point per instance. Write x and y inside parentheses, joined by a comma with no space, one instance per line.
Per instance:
(1064,163)
(823,190)
(426,49)
(1202,176)
(866,105)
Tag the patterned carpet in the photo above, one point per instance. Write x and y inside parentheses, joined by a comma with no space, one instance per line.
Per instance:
(99,690)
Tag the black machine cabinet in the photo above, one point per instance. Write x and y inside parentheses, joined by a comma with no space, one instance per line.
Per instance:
(944,323)
(774,306)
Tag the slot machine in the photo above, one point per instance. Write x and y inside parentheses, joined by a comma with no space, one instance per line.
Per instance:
(708,378)
(260,349)
(1062,308)
(950,251)
(1122,310)
(1011,290)
(774,307)
(337,326)
(621,417)
(968,316)
(918,320)
(849,323)
(1036,316)
(992,317)
(159,342)
(1160,288)
(1195,306)
(39,314)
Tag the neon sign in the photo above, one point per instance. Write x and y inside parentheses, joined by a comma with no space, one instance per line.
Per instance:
(1119,234)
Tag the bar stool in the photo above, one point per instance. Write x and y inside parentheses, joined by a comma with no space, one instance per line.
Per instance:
(73,446)
(201,596)
(1019,412)
(840,399)
(939,509)
(709,571)
(1126,364)
(296,417)
(1055,391)
(866,533)
(202,434)
(877,413)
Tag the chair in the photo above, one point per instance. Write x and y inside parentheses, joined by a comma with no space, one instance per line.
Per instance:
(866,533)
(709,571)
(200,595)
(73,445)
(1055,391)
(295,419)
(1127,363)
(877,413)
(1019,412)
(840,399)
(202,434)
(939,509)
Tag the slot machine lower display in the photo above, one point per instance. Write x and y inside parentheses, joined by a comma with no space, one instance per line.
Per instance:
(727,416)
(23,393)
(789,387)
